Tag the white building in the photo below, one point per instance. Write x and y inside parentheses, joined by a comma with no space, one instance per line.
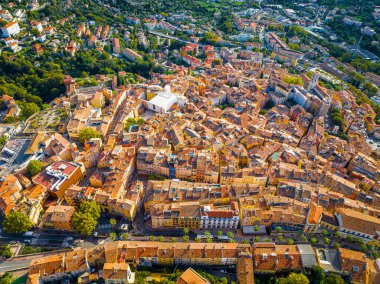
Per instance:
(164,100)
(10,29)
(215,218)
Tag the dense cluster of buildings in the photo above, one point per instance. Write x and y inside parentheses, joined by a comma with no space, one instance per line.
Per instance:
(236,140)
(116,262)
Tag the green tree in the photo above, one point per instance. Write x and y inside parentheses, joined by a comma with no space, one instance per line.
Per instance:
(185,238)
(85,220)
(303,239)
(245,241)
(185,231)
(113,222)
(333,279)
(3,140)
(84,223)
(278,229)
(160,239)
(125,236)
(324,233)
(294,278)
(257,239)
(87,133)
(230,235)
(16,222)
(290,241)
(34,167)
(219,233)
(92,208)
(317,275)
(6,278)
(151,238)
(313,241)
(113,236)
(173,239)
(197,240)
(280,238)
(27,109)
(336,245)
(207,234)
(326,241)
(6,251)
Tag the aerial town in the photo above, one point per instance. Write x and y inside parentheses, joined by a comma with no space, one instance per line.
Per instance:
(190,142)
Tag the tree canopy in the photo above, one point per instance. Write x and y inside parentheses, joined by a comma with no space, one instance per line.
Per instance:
(85,220)
(294,278)
(16,222)
(34,167)
(87,133)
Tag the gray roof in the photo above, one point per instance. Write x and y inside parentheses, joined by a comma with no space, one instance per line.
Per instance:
(307,255)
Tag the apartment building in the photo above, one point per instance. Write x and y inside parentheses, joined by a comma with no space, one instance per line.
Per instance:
(224,217)
(58,177)
(58,217)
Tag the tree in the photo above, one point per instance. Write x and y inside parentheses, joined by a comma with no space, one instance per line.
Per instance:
(324,233)
(333,279)
(375,254)
(317,275)
(219,233)
(84,223)
(278,229)
(230,235)
(185,231)
(87,133)
(151,238)
(257,239)
(173,239)
(185,238)
(3,140)
(16,222)
(92,208)
(85,220)
(34,167)
(6,251)
(290,241)
(113,222)
(256,228)
(294,278)
(338,234)
(28,109)
(125,236)
(280,238)
(336,245)
(326,241)
(207,234)
(245,241)
(6,278)
(208,240)
(303,239)
(313,241)
(160,239)
(113,236)
(197,240)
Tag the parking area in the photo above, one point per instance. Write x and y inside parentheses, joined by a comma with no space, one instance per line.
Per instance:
(12,155)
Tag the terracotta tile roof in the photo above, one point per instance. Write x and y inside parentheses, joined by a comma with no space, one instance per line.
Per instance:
(357,221)
(315,214)
(191,277)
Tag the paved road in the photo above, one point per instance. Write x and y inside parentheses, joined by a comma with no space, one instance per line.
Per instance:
(14,264)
